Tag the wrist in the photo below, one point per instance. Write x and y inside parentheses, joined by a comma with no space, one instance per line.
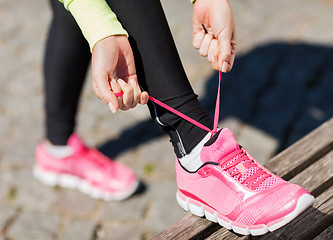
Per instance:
(96,19)
(110,39)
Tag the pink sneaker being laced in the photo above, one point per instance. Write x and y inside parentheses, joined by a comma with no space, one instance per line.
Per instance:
(87,170)
(233,189)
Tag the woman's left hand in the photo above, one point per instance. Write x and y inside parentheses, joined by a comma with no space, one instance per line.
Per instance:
(219,43)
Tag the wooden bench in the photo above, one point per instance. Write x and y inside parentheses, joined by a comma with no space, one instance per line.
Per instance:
(309,163)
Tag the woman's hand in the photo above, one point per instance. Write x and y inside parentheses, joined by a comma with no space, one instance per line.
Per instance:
(218,44)
(113,71)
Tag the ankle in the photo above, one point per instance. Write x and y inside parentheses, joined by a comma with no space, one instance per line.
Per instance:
(58,151)
(192,160)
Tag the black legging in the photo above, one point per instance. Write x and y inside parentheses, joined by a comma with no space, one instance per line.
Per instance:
(158,67)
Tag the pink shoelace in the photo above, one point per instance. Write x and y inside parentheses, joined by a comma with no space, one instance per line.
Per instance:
(191,120)
(237,164)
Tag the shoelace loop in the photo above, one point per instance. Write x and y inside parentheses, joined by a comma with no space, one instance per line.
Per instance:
(244,161)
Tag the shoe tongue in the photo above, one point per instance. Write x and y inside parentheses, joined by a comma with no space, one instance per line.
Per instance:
(76,143)
(219,146)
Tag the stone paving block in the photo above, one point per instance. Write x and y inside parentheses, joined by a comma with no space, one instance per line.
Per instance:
(122,232)
(16,107)
(6,179)
(132,209)
(157,160)
(129,158)
(75,203)
(285,100)
(196,67)
(6,213)
(5,127)
(20,152)
(86,127)
(76,229)
(114,124)
(34,225)
(131,138)
(20,146)
(234,124)
(7,67)
(243,87)
(31,194)
(304,124)
(318,106)
(258,143)
(89,103)
(24,83)
(164,210)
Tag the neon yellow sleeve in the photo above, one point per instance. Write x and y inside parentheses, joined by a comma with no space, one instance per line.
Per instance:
(95,19)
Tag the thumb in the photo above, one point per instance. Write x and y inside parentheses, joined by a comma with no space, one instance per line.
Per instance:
(104,92)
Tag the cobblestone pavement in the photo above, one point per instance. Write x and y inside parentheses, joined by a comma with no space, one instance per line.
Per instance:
(280,89)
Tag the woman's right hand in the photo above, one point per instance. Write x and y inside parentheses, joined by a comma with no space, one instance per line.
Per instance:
(113,71)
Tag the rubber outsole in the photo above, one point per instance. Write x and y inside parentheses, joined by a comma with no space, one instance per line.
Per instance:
(73,182)
(201,210)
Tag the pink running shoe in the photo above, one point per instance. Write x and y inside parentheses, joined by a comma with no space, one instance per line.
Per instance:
(87,170)
(233,189)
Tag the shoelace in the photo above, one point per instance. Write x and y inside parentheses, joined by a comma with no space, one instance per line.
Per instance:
(191,120)
(238,160)
(252,181)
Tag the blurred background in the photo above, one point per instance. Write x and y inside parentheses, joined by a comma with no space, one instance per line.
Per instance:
(281,88)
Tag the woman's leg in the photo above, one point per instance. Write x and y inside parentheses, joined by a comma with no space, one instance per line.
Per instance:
(66,62)
(160,71)
(67,158)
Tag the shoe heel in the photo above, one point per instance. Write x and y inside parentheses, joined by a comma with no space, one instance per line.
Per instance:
(191,205)
(46,178)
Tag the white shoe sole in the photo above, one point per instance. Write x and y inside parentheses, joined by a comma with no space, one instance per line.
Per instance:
(304,202)
(72,182)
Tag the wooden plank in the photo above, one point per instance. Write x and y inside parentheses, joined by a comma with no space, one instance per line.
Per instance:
(225,234)
(310,223)
(318,176)
(184,229)
(327,234)
(303,153)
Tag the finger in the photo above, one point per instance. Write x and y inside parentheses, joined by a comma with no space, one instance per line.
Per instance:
(233,50)
(197,39)
(144,98)
(128,94)
(116,89)
(224,39)
(95,89)
(213,53)
(104,92)
(203,50)
(136,92)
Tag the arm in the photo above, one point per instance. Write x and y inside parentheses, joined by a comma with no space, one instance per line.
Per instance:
(95,19)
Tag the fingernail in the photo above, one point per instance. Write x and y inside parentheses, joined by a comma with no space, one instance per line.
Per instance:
(225,67)
(145,97)
(113,80)
(121,82)
(133,83)
(112,108)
